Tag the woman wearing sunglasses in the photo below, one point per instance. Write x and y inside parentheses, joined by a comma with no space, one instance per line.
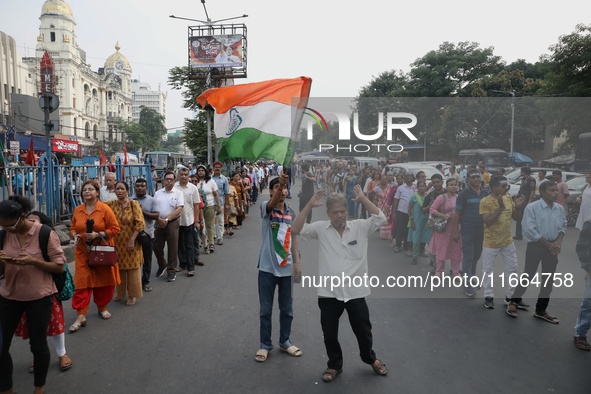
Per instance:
(28,287)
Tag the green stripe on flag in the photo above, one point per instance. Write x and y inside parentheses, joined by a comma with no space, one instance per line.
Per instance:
(252,144)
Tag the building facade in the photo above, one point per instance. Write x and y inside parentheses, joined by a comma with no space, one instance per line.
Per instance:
(91,102)
(144,96)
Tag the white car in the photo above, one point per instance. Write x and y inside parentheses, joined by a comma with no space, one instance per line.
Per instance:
(566,175)
(403,168)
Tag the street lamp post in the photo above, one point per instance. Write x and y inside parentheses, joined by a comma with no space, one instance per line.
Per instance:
(512,120)
(512,93)
(208,22)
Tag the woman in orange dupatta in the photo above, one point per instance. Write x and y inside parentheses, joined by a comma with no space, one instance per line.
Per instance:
(99,282)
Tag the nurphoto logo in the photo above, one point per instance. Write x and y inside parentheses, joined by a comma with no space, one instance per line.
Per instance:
(393,123)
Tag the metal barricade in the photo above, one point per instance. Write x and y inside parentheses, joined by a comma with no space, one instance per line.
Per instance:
(59,199)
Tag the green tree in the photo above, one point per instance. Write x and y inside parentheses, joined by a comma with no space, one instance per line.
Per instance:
(134,138)
(152,129)
(445,72)
(568,78)
(172,144)
(195,136)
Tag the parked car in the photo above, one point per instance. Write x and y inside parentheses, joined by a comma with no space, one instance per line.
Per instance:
(566,175)
(403,168)
(363,162)
(515,175)
(576,186)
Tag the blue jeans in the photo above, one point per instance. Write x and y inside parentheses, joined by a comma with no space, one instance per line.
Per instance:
(267,284)
(472,239)
(584,319)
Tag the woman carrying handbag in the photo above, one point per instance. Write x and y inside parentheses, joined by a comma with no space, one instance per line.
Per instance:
(96,281)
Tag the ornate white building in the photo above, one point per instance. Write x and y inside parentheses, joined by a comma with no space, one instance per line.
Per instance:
(91,102)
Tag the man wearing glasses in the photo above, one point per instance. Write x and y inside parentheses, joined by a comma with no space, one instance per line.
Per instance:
(170,205)
(468,224)
(544,226)
(497,210)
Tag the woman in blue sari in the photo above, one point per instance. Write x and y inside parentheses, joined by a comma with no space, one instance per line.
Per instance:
(418,231)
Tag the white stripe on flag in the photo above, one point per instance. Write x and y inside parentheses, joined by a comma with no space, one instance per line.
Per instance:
(269,117)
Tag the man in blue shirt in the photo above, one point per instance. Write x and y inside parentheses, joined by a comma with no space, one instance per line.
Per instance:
(278,256)
(471,226)
(223,191)
(544,225)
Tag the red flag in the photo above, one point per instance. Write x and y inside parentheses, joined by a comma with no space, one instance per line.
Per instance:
(124,161)
(102,157)
(30,160)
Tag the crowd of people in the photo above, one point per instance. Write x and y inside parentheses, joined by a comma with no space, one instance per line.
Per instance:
(192,213)
(197,208)
(464,215)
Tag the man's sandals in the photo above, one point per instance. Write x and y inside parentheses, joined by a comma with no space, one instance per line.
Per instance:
(581,343)
(292,351)
(331,374)
(379,367)
(262,354)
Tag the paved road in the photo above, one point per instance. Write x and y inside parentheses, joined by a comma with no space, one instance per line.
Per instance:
(199,335)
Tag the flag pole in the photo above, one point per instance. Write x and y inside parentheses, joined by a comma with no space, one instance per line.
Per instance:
(208,120)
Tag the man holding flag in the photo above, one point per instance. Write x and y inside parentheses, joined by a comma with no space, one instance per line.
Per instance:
(251,121)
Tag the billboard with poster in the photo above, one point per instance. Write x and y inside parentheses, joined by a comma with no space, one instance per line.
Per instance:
(216,51)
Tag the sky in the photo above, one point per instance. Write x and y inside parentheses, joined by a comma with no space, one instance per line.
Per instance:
(341,47)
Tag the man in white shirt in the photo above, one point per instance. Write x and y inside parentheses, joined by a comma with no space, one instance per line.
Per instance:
(189,219)
(252,174)
(108,191)
(342,253)
(401,202)
(170,205)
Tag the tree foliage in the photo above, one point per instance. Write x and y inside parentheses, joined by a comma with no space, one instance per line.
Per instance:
(467,76)
(195,135)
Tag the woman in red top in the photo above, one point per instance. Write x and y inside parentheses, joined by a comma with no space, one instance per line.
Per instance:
(97,281)
(27,287)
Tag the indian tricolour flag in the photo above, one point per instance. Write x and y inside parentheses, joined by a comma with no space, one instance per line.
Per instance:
(259,119)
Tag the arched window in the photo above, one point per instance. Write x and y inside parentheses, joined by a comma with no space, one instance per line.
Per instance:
(87,130)
(94,132)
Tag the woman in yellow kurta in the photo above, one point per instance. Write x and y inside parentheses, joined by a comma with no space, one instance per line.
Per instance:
(131,220)
(236,181)
(231,201)
(97,281)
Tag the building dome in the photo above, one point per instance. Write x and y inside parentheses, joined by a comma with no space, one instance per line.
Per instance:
(117,60)
(57,7)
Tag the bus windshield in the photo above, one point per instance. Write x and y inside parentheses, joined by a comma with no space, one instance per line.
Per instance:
(158,160)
